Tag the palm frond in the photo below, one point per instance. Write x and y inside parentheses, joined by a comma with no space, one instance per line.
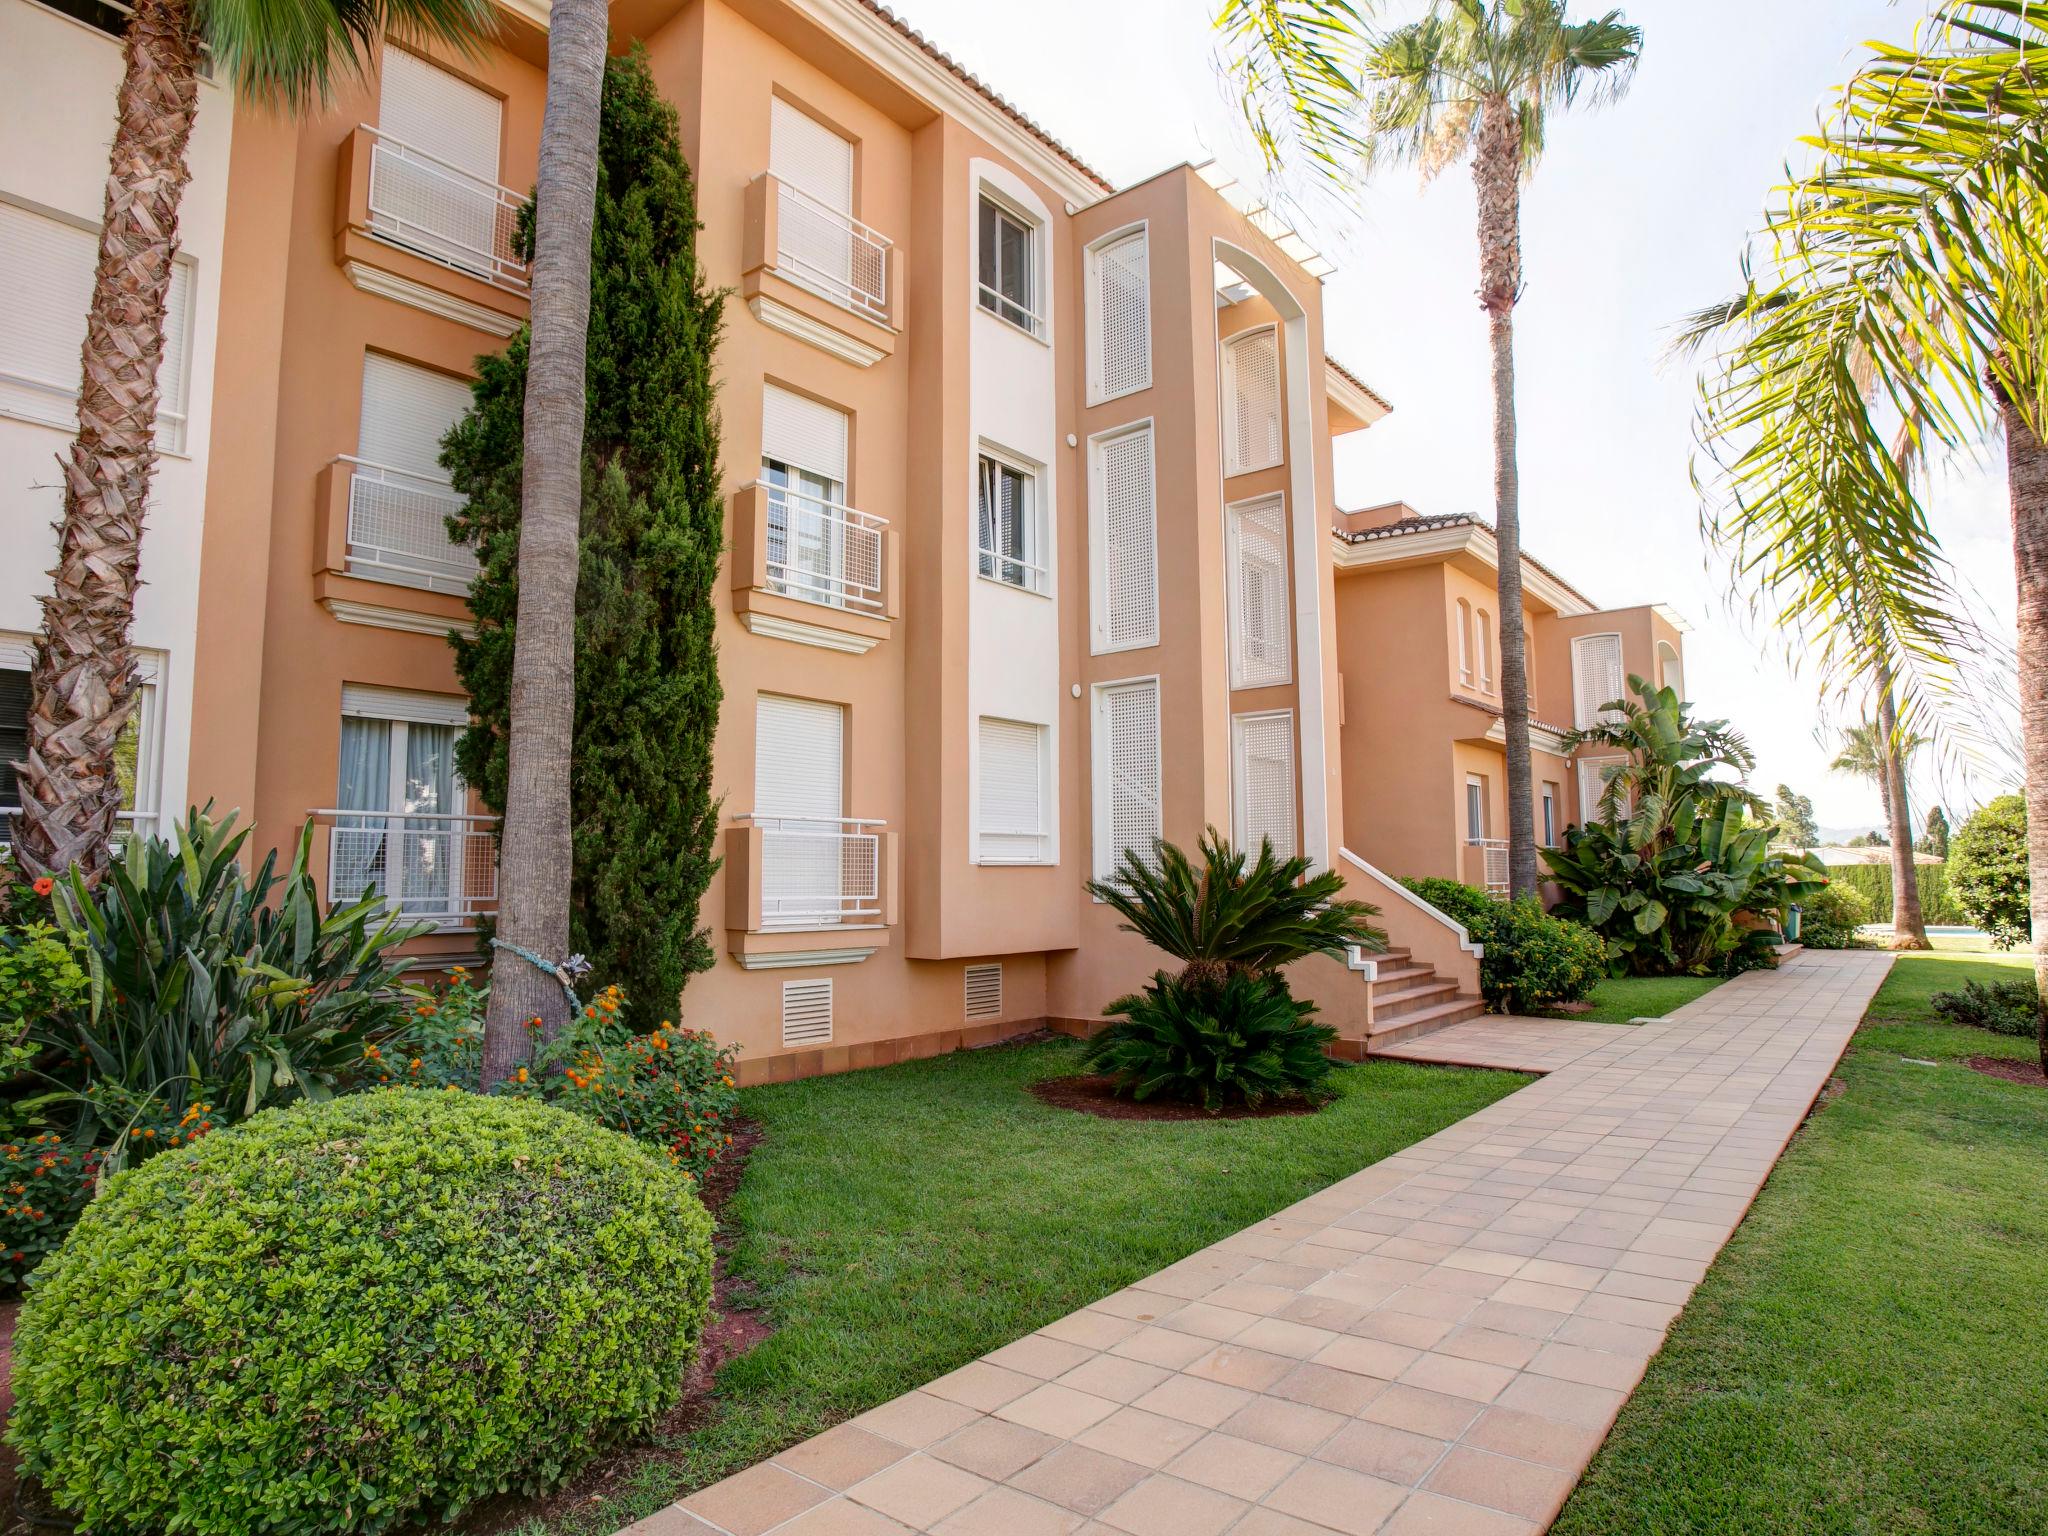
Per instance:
(292,54)
(1295,67)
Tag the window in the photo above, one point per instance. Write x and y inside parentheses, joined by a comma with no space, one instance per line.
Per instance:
(1549,816)
(399,498)
(816,867)
(1010,525)
(136,751)
(1119,318)
(1262,782)
(818,242)
(1594,772)
(46,278)
(1012,793)
(1128,796)
(1597,679)
(1125,539)
(1009,283)
(1475,808)
(816,550)
(434,175)
(399,828)
(1257,581)
(1485,651)
(1464,622)
(1251,401)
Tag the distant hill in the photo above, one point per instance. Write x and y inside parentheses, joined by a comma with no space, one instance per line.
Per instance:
(1835,837)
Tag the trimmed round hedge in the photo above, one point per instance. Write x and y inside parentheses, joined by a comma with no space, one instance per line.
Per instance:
(345,1316)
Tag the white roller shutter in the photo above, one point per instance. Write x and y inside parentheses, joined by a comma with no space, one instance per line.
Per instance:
(1594,772)
(46,276)
(432,110)
(803,433)
(807,155)
(1011,801)
(1257,573)
(1251,401)
(1597,678)
(798,757)
(1262,787)
(1128,810)
(407,410)
(360,701)
(1120,318)
(1127,538)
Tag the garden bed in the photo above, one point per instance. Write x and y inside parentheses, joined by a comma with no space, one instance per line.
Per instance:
(1095,1094)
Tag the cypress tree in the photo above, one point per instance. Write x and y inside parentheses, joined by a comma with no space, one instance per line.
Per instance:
(647,688)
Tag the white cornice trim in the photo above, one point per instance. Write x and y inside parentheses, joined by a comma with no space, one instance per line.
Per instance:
(910,66)
(1472,539)
(778,316)
(389,285)
(1539,738)
(790,959)
(1358,401)
(409,621)
(773,626)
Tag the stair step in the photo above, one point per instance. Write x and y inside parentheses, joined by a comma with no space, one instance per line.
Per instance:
(1424,1020)
(1387,957)
(1398,975)
(1412,1000)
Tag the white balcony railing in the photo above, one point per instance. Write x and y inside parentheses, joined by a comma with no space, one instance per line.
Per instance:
(423,203)
(398,529)
(438,869)
(831,252)
(823,551)
(818,870)
(1493,860)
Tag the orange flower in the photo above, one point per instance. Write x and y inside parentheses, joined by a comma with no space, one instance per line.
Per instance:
(522,1074)
(44,885)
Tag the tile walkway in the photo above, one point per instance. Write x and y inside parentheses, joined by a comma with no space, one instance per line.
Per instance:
(1436,1344)
(1515,1044)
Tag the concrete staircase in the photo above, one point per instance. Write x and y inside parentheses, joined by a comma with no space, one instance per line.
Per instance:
(1405,998)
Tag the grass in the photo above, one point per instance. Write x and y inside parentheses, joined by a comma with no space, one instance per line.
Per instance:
(1621,998)
(1865,1356)
(897,1223)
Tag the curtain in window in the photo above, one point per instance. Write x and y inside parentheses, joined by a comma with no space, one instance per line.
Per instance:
(431,846)
(365,786)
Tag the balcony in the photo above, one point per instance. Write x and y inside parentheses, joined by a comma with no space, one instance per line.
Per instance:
(411,227)
(798,252)
(1486,864)
(435,869)
(397,529)
(811,570)
(808,889)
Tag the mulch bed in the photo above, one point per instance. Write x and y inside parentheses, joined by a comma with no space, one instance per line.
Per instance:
(1097,1095)
(2010,1070)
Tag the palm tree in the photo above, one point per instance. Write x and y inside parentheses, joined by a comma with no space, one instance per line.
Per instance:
(1903,292)
(82,681)
(1472,77)
(529,983)
(1877,751)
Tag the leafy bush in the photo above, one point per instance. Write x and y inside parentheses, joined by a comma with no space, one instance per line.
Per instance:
(45,1182)
(2003,1007)
(1672,874)
(212,988)
(672,1088)
(1245,1040)
(1873,882)
(355,1315)
(1532,960)
(1987,870)
(1830,916)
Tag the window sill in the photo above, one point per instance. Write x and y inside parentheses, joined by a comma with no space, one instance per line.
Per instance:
(1011,586)
(1239,471)
(1036,333)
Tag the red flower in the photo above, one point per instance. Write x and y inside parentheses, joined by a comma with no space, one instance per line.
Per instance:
(44,885)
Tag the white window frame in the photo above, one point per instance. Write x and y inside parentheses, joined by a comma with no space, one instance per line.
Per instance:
(992,301)
(1239,833)
(1098,392)
(1546,805)
(1098,541)
(1462,617)
(1476,820)
(1241,674)
(1103,857)
(1587,713)
(17,654)
(1043,853)
(1229,381)
(1484,621)
(1037,561)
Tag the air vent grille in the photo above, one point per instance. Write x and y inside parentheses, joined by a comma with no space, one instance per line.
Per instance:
(984,991)
(807,1012)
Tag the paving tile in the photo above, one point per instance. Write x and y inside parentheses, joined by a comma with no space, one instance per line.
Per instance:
(673,1521)
(982,1386)
(1399,1455)
(1324,1386)
(843,1518)
(1207,1403)
(919,1491)
(1288,1426)
(1164,1347)
(1236,1366)
(1427,1413)
(1009,1512)
(1336,1497)
(841,1456)
(1056,1410)
(1170,1506)
(916,1419)
(994,1448)
(1114,1377)
(1427,1514)
(1077,1478)
(1150,1439)
(1524,1488)
(1530,1437)
(1367,1357)
(756,1500)
(1040,1356)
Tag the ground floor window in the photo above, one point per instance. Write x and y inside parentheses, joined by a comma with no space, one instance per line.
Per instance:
(137,752)
(401,828)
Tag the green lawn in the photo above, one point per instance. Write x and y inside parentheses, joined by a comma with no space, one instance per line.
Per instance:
(897,1223)
(1865,1357)
(1621,998)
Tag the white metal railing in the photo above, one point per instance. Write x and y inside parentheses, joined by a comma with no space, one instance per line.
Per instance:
(1010,570)
(425,204)
(818,870)
(398,529)
(441,869)
(823,551)
(1003,307)
(831,252)
(1493,861)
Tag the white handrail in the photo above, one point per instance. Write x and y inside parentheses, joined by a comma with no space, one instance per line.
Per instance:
(846,546)
(398,529)
(452,240)
(437,866)
(817,871)
(845,261)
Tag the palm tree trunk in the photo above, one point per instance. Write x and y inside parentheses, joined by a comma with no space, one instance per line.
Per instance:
(1497,174)
(2026,461)
(82,684)
(1909,927)
(534,852)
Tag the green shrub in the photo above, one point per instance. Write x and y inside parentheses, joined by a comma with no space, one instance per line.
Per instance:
(1873,882)
(356,1315)
(1532,959)
(1830,916)
(1245,1040)
(1987,870)
(2003,1007)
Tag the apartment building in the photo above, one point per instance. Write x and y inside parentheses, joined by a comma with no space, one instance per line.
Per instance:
(1425,588)
(60,66)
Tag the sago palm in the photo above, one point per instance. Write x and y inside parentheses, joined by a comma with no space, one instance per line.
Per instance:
(1907,268)
(1471,78)
(82,678)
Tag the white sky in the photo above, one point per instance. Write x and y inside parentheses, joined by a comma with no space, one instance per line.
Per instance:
(1637,214)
